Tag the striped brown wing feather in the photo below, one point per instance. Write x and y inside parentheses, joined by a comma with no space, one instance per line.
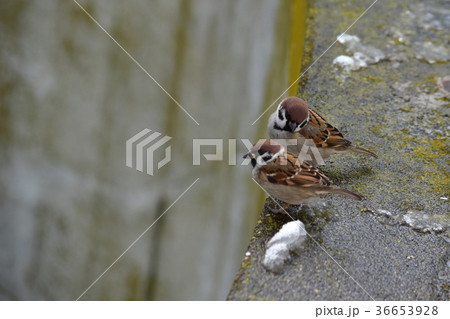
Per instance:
(322,133)
(293,174)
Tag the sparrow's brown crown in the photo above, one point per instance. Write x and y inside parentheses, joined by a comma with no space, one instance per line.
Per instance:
(296,108)
(268,146)
(264,152)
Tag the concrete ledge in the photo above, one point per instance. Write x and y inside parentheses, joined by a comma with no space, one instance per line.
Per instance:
(394,244)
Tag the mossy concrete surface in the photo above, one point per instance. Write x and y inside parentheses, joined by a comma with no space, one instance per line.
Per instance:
(394,245)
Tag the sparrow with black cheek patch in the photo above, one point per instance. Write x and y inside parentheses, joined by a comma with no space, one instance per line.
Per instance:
(293,119)
(284,177)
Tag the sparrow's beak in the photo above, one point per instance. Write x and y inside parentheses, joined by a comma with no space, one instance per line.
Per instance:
(252,156)
(293,126)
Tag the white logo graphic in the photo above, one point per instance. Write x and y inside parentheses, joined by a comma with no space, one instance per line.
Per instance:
(142,144)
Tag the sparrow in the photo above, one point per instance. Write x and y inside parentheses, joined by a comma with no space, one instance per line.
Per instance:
(287,177)
(293,119)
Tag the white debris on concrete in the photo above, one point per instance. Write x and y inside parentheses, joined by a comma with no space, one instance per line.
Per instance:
(290,238)
(368,53)
(361,55)
(425,222)
(349,63)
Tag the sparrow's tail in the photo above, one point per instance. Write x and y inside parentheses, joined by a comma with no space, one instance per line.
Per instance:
(361,150)
(343,191)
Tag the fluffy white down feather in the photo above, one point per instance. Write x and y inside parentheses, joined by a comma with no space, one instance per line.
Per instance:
(290,238)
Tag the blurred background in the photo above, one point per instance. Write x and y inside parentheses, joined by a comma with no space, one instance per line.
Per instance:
(69,100)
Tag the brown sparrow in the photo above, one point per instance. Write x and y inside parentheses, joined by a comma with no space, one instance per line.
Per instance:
(285,177)
(293,119)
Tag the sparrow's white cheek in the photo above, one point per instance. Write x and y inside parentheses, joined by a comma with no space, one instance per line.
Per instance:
(260,161)
(281,124)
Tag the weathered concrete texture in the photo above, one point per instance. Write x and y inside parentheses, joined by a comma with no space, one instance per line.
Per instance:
(394,243)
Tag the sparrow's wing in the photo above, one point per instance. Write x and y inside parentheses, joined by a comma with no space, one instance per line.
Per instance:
(322,133)
(285,170)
